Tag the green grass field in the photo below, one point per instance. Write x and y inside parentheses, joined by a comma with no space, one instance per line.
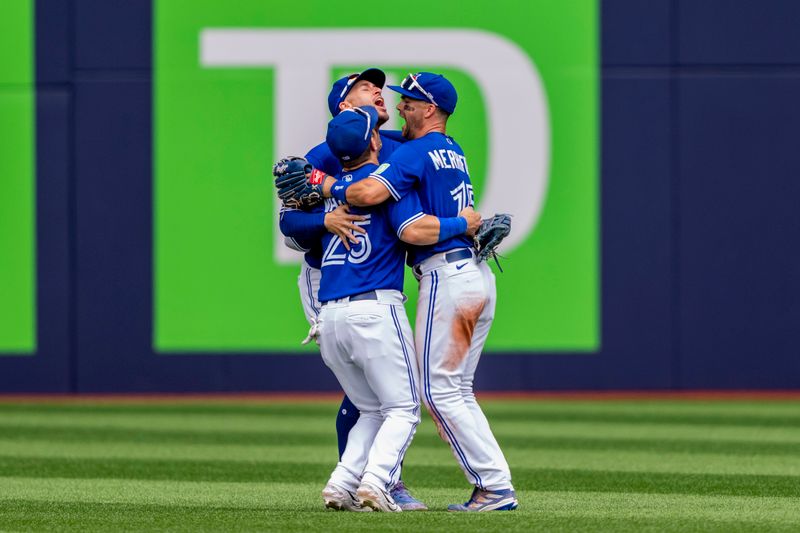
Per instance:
(237,465)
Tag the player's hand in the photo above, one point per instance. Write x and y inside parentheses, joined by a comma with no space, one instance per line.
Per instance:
(473,220)
(342,223)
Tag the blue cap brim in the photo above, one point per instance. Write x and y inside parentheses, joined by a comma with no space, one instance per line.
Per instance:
(406,92)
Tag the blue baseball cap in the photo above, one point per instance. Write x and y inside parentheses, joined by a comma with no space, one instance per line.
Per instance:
(429,87)
(342,86)
(349,132)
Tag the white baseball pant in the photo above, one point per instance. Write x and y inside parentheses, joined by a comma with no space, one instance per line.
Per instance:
(308,283)
(368,346)
(454,313)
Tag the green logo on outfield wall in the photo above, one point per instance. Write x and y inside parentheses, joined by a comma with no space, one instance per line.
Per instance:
(17,180)
(237,88)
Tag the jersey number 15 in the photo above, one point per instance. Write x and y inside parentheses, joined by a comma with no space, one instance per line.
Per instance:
(463,196)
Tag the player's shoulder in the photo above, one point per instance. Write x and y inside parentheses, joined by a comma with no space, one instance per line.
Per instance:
(392,136)
(392,139)
(357,174)
(418,151)
(319,151)
(452,142)
(322,158)
(408,150)
(438,140)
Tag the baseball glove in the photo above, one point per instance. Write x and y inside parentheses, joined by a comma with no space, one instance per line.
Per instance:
(291,181)
(490,234)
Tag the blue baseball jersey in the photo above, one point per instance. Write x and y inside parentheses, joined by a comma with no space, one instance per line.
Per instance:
(436,168)
(305,230)
(377,261)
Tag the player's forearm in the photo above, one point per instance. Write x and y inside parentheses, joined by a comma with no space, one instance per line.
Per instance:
(363,193)
(302,225)
(327,185)
(430,230)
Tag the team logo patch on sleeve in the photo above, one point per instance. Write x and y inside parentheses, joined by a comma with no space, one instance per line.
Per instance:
(381,168)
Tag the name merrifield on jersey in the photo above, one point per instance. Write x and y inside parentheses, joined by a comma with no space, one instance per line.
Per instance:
(448,159)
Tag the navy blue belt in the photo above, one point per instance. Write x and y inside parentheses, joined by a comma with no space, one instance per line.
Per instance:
(458,255)
(450,257)
(369,295)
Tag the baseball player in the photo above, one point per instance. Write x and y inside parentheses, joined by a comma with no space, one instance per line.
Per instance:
(456,294)
(306,227)
(364,334)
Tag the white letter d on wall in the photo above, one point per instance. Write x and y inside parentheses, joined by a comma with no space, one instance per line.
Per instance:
(516,106)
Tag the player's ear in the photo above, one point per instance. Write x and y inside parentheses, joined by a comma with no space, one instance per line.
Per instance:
(345,105)
(430,111)
(375,141)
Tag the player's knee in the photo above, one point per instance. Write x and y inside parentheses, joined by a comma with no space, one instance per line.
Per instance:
(467,393)
(411,417)
(444,400)
(409,412)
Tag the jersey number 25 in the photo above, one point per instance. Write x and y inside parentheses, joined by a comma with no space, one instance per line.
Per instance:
(358,252)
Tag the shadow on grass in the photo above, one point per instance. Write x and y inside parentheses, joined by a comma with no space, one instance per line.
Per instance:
(52,516)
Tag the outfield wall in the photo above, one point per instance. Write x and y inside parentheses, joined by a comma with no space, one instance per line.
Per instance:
(696,216)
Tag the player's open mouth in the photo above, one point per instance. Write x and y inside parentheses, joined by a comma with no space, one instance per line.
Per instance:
(380,103)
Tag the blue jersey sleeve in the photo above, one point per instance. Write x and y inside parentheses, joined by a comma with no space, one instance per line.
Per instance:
(403,212)
(323,159)
(401,171)
(303,226)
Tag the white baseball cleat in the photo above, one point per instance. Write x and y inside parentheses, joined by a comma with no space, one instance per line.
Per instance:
(340,499)
(376,498)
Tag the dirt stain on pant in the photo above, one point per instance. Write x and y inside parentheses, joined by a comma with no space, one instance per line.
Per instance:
(463,327)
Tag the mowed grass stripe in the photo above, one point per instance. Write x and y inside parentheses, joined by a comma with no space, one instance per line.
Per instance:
(241,422)
(304,499)
(686,419)
(325,426)
(234,404)
(81,516)
(700,444)
(418,456)
(221,408)
(655,407)
(761,415)
(141,435)
(647,431)
(429,476)
(263,479)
